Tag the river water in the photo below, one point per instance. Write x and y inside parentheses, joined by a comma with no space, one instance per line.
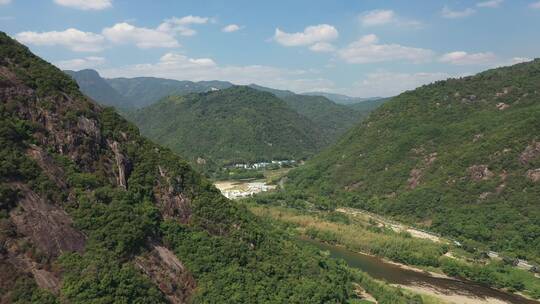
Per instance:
(394,274)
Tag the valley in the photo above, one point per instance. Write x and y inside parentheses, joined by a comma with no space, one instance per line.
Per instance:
(272,152)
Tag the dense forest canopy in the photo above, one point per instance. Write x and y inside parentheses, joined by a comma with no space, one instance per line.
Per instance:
(239,124)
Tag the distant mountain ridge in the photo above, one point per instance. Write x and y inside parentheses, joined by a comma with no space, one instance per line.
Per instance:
(342,99)
(99,89)
(325,119)
(143,91)
(137,92)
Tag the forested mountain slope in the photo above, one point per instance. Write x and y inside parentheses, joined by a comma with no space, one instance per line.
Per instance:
(461,157)
(331,118)
(239,124)
(91,212)
(367,106)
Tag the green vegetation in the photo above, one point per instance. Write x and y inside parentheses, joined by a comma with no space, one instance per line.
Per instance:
(363,234)
(237,174)
(233,255)
(29,69)
(239,124)
(457,157)
(144,91)
(333,119)
(367,106)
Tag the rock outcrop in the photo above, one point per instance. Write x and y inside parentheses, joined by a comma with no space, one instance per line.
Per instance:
(172,203)
(531,152)
(534,175)
(48,226)
(168,273)
(479,172)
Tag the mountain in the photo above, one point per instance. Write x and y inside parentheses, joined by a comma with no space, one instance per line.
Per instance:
(91,212)
(129,93)
(97,88)
(342,99)
(332,119)
(138,92)
(239,124)
(460,157)
(278,93)
(144,91)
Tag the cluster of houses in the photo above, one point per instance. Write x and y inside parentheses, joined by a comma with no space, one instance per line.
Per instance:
(251,188)
(263,165)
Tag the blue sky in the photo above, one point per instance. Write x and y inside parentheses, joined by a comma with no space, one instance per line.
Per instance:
(356,47)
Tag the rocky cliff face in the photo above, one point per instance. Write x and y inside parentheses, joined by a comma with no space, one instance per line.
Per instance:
(60,126)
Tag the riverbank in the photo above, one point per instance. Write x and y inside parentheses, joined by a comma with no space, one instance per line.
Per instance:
(418,281)
(450,298)
(423,256)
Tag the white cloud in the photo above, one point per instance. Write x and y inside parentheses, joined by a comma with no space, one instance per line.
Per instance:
(384,17)
(71,38)
(80,63)
(516,60)
(535,5)
(451,14)
(124,33)
(4,2)
(85,4)
(181,25)
(322,47)
(181,67)
(385,83)
(310,35)
(377,17)
(164,36)
(490,3)
(464,58)
(367,50)
(231,28)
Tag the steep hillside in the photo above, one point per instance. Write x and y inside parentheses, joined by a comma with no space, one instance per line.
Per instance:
(91,212)
(461,157)
(233,125)
(332,119)
(144,91)
(97,88)
(367,106)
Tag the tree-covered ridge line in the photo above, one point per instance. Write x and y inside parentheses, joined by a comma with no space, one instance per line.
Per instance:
(234,125)
(105,198)
(459,157)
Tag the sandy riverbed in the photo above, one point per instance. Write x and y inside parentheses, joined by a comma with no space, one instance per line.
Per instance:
(450,297)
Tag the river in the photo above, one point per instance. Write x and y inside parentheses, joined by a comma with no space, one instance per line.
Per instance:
(445,288)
